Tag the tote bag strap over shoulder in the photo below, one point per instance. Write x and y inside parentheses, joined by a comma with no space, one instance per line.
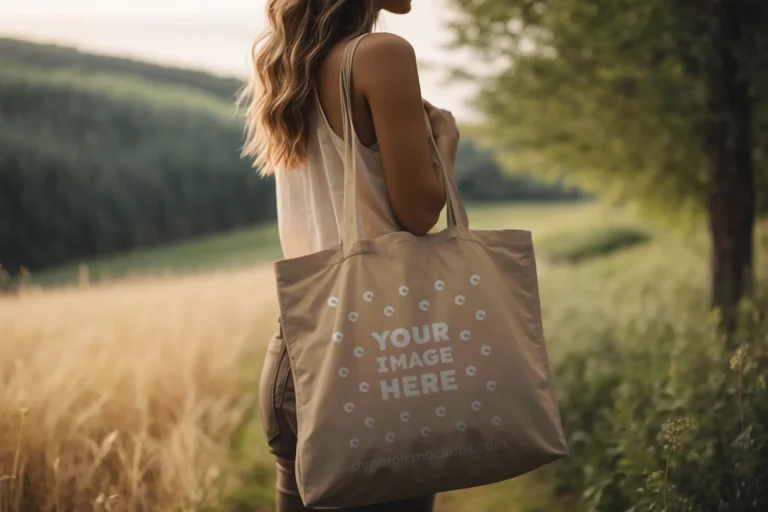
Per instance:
(353,233)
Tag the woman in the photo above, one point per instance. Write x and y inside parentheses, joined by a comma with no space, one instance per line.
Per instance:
(295,126)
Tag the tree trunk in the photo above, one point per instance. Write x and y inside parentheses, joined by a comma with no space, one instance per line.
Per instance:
(732,176)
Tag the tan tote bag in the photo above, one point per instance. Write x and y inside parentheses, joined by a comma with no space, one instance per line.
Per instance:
(419,362)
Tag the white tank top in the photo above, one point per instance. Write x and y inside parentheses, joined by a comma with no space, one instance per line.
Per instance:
(310,201)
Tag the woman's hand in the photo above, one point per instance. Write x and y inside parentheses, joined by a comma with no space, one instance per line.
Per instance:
(443,123)
(446,134)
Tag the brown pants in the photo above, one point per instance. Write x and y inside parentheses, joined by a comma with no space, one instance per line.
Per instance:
(278,417)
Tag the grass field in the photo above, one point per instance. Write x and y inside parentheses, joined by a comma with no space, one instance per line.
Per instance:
(233,250)
(139,394)
(251,246)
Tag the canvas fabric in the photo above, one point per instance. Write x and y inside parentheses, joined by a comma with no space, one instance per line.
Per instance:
(419,363)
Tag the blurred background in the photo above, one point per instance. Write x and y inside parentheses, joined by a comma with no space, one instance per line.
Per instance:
(130,126)
(136,293)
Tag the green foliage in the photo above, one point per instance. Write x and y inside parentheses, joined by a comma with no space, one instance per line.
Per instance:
(94,164)
(576,245)
(612,95)
(661,416)
(634,348)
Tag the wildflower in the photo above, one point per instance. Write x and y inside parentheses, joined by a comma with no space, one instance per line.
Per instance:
(672,429)
(653,476)
(739,358)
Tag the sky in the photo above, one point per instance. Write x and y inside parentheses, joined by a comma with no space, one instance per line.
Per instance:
(215,35)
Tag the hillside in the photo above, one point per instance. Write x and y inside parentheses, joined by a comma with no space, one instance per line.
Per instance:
(54,57)
(102,155)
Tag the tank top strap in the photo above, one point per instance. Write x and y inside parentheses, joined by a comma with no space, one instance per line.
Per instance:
(352,225)
(346,84)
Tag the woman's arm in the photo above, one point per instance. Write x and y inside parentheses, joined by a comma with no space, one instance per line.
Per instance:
(387,76)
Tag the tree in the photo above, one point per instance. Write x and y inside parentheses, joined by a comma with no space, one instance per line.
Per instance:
(657,101)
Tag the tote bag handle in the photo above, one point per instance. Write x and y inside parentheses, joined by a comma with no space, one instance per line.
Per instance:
(353,231)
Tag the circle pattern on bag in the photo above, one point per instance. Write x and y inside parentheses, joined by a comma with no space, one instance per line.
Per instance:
(411,348)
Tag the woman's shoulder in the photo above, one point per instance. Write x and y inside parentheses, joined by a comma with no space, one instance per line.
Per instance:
(384,40)
(386,46)
(384,56)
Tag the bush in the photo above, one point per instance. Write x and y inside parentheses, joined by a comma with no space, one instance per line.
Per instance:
(574,246)
(668,416)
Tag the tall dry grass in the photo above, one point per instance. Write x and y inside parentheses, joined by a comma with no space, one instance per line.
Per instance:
(123,396)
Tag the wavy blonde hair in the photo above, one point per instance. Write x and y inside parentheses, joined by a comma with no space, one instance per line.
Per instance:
(285,59)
